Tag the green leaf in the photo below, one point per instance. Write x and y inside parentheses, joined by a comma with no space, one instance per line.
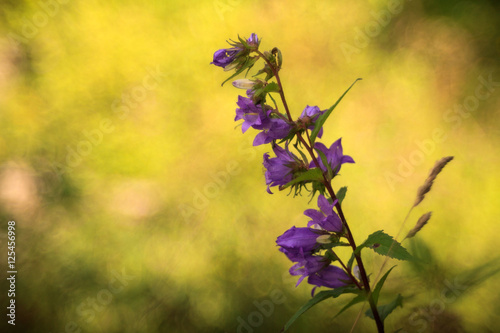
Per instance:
(351,261)
(310,175)
(358,299)
(341,194)
(385,310)
(385,245)
(378,287)
(271,87)
(321,119)
(319,297)
(266,70)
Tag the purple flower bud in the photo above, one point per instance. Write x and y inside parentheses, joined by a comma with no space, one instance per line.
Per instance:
(308,118)
(227,58)
(224,57)
(244,83)
(253,40)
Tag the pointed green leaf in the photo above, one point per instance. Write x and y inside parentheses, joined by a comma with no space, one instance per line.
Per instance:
(385,245)
(319,297)
(358,299)
(341,194)
(351,261)
(378,287)
(321,120)
(314,174)
(385,310)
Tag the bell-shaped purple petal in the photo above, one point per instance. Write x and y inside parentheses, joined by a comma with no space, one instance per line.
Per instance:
(331,223)
(331,277)
(310,115)
(261,139)
(252,115)
(325,205)
(325,218)
(310,111)
(279,169)
(334,156)
(272,129)
(315,215)
(294,254)
(224,57)
(308,265)
(295,238)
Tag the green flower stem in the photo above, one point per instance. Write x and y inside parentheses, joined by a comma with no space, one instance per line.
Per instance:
(282,94)
(328,185)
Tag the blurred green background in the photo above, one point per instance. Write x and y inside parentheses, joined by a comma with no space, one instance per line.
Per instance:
(140,206)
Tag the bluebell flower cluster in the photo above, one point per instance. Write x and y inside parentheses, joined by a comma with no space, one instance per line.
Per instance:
(307,247)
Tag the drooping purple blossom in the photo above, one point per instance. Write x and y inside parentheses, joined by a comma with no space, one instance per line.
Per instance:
(296,238)
(294,254)
(252,115)
(334,156)
(258,116)
(272,129)
(330,276)
(308,265)
(325,218)
(309,116)
(279,169)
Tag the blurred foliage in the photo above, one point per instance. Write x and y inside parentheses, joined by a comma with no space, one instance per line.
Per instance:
(119,157)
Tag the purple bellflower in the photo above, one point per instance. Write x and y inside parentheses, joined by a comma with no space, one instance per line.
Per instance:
(334,156)
(308,265)
(280,170)
(325,218)
(295,239)
(308,118)
(295,254)
(260,119)
(252,115)
(272,129)
(331,277)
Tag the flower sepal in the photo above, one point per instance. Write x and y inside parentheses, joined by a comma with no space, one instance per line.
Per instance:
(242,64)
